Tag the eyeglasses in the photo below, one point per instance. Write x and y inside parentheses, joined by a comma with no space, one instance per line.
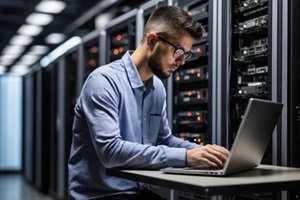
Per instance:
(178,51)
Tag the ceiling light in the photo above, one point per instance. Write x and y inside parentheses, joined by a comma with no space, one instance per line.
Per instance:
(50,6)
(55,38)
(38,49)
(13,49)
(19,69)
(21,40)
(30,30)
(28,59)
(6,61)
(9,56)
(39,19)
(60,50)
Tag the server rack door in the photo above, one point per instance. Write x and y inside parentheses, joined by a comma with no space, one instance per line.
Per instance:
(191,82)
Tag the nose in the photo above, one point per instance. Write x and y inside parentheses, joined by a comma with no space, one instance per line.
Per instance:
(181,60)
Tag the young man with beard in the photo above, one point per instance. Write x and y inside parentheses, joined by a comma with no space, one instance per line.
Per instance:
(121,117)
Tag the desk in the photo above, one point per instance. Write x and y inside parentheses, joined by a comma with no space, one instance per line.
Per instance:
(264,178)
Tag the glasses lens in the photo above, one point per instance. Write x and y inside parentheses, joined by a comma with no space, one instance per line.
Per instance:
(178,53)
(188,55)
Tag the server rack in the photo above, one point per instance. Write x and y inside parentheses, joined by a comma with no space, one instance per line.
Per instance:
(119,36)
(42,120)
(192,94)
(53,68)
(251,71)
(88,57)
(62,80)
(192,86)
(29,131)
(66,99)
(294,83)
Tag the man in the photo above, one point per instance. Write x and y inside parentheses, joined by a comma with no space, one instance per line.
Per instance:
(121,121)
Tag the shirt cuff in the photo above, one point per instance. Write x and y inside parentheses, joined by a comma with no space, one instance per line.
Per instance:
(176,157)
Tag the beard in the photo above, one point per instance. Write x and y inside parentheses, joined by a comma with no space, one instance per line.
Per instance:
(155,65)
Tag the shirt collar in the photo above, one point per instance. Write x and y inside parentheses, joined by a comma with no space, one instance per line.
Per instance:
(132,72)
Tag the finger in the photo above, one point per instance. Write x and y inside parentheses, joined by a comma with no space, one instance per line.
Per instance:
(212,159)
(219,151)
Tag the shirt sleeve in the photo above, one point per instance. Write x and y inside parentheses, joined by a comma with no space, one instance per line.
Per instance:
(99,103)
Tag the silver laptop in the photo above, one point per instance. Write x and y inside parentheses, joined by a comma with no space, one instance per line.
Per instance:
(250,144)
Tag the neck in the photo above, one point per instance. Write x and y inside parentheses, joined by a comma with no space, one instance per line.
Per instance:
(139,58)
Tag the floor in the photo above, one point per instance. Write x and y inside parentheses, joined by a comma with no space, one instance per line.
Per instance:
(14,187)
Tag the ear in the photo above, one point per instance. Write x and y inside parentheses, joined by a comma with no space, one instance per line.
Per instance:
(151,40)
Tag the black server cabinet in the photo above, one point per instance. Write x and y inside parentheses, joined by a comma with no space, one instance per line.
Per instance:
(91,54)
(294,94)
(29,129)
(42,125)
(67,74)
(294,82)
(251,71)
(120,36)
(191,82)
(64,97)
(52,190)
(88,58)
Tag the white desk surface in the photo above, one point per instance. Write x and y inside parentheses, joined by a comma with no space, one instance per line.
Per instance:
(264,178)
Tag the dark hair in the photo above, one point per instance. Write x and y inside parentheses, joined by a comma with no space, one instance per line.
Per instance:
(170,19)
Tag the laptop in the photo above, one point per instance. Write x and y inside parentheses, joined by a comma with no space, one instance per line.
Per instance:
(250,144)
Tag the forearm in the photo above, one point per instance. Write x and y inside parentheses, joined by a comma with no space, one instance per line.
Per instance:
(125,154)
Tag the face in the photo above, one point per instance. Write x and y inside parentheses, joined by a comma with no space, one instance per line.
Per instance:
(162,61)
(155,64)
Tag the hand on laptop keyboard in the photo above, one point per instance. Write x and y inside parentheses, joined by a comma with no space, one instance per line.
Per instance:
(209,155)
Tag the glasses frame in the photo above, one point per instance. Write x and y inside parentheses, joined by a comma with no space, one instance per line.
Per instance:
(178,51)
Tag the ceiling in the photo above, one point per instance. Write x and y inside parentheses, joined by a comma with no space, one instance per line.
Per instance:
(76,19)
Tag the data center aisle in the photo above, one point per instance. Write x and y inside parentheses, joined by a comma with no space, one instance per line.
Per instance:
(14,187)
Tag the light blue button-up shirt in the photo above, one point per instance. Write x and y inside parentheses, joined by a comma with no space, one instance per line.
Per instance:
(120,122)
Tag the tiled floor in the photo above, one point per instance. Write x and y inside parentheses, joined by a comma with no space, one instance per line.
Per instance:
(14,187)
